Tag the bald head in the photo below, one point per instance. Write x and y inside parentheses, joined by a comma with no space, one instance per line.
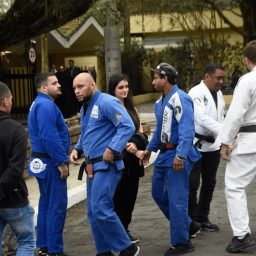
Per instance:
(85,77)
(84,87)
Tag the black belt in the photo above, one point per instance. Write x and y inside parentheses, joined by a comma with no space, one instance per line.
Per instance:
(166,146)
(40,155)
(249,128)
(209,139)
(87,166)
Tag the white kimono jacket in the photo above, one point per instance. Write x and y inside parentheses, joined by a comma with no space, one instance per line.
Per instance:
(208,118)
(242,112)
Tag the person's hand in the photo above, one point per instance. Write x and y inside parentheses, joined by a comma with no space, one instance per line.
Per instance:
(178,164)
(225,152)
(64,171)
(131,147)
(74,157)
(108,156)
(144,157)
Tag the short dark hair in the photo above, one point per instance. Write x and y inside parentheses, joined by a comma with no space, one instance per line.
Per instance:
(41,78)
(4,90)
(250,51)
(211,68)
(71,61)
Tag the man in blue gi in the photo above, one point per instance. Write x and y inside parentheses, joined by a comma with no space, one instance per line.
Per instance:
(50,142)
(106,128)
(174,138)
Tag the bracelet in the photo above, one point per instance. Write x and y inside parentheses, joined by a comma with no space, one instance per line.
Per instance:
(179,158)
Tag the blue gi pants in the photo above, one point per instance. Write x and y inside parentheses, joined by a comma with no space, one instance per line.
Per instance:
(51,210)
(170,190)
(108,231)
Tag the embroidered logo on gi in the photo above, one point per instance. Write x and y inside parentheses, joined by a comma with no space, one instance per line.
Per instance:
(177,110)
(197,99)
(118,117)
(37,165)
(95,111)
(205,101)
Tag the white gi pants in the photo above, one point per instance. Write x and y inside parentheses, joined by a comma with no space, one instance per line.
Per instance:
(240,171)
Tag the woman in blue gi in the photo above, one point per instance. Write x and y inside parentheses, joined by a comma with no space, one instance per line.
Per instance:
(106,129)
(173,136)
(127,189)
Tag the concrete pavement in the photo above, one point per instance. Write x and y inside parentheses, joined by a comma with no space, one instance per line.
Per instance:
(148,223)
(151,227)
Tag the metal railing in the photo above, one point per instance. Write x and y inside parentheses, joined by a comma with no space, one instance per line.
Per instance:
(22,87)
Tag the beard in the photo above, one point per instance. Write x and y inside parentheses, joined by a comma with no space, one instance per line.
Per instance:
(87,98)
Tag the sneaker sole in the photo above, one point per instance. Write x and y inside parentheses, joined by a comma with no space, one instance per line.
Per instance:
(195,234)
(137,241)
(183,252)
(210,230)
(138,251)
(245,246)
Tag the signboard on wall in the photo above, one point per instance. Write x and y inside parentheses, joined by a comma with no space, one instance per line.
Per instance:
(32,55)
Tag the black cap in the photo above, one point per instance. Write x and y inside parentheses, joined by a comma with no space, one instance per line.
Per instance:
(168,70)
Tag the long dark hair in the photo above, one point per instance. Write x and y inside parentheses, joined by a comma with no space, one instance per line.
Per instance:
(128,102)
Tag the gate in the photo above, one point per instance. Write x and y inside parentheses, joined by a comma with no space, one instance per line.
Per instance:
(23,91)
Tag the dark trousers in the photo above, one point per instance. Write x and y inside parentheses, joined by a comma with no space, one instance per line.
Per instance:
(125,197)
(206,168)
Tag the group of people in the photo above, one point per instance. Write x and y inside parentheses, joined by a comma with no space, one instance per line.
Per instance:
(191,134)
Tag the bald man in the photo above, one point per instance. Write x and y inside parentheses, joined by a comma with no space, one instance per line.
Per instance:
(106,128)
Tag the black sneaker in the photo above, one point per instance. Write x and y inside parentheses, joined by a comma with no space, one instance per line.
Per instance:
(57,254)
(132,250)
(236,244)
(194,229)
(179,249)
(42,251)
(105,254)
(209,227)
(133,239)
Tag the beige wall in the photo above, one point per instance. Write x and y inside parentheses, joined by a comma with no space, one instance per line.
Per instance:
(153,24)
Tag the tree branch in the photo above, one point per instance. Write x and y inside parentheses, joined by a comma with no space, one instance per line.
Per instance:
(225,19)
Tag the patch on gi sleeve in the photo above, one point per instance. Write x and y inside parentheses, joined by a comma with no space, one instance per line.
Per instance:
(118,117)
(37,165)
(177,107)
(95,112)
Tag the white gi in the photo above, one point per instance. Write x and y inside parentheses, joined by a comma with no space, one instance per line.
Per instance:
(208,118)
(241,168)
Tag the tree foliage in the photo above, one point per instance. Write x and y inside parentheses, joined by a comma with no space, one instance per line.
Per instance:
(29,18)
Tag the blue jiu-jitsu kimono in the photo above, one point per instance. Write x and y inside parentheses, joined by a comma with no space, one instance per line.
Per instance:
(106,124)
(170,188)
(50,144)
